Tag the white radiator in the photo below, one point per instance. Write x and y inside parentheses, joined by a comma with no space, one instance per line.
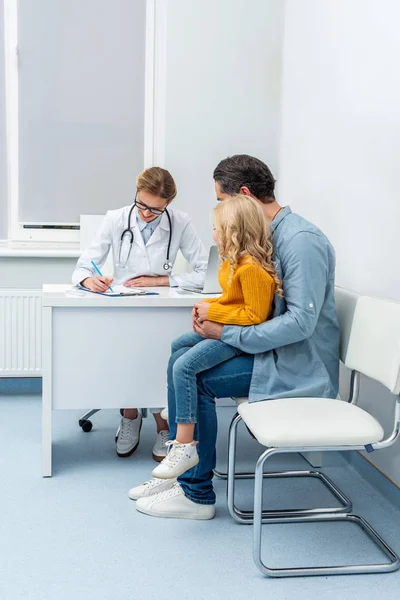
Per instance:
(20,332)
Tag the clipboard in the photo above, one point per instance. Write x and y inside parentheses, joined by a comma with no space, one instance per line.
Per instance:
(120,291)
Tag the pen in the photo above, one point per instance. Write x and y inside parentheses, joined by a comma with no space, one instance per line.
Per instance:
(99,272)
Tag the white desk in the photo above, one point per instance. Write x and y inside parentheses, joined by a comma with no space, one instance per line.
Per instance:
(100,352)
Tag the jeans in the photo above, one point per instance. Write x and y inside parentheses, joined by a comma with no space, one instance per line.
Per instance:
(200,356)
(231,378)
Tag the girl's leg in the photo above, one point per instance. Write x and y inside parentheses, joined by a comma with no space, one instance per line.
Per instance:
(186,340)
(201,357)
(184,433)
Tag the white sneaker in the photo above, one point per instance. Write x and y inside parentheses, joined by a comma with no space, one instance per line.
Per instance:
(180,458)
(174,504)
(160,448)
(148,488)
(129,436)
(164,413)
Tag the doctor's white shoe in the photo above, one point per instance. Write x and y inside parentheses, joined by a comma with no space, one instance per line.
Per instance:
(174,504)
(148,488)
(129,436)
(180,458)
(160,448)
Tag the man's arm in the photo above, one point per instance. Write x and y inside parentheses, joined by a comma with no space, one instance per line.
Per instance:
(305,267)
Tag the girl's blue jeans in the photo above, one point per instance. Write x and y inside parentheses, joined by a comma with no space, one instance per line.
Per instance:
(201,355)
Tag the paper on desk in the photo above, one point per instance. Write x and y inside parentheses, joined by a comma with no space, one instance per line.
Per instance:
(123,290)
(120,290)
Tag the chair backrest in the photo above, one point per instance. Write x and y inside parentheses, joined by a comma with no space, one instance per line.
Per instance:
(346,302)
(181,265)
(374,344)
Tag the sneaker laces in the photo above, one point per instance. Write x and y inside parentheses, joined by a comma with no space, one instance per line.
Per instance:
(175,490)
(175,453)
(152,482)
(126,428)
(164,435)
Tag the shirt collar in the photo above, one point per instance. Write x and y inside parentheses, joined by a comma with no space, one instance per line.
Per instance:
(286,210)
(143,224)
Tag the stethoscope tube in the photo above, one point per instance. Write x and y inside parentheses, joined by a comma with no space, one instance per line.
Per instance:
(167,266)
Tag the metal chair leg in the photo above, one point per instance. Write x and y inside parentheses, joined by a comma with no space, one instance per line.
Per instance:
(87,415)
(246,516)
(393,565)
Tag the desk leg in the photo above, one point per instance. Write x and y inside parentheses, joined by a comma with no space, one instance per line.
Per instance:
(47,361)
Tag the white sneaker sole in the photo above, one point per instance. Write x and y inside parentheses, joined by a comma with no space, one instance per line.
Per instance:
(204,515)
(177,472)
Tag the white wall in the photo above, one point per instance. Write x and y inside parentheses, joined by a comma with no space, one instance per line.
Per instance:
(33,272)
(340,146)
(224,63)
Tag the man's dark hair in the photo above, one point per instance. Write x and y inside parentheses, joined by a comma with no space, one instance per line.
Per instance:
(240,170)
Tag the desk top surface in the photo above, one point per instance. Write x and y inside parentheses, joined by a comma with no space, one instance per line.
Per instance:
(67,296)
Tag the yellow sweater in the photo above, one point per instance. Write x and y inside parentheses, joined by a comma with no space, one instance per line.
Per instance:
(247,300)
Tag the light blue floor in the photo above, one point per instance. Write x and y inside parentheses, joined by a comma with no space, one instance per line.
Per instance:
(77,535)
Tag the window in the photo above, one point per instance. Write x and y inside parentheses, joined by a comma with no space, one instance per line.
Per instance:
(77,69)
(3,170)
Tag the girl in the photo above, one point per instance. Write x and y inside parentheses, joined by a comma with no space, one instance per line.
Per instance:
(249,282)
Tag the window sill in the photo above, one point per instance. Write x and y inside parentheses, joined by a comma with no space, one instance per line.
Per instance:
(38,250)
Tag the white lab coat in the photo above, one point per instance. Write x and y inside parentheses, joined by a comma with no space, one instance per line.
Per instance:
(149,259)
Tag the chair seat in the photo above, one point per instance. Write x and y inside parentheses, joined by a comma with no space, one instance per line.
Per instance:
(310,422)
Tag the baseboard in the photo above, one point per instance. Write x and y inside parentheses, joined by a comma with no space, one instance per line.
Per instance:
(374,476)
(18,386)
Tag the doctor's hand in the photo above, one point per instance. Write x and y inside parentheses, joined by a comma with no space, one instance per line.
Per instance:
(201,311)
(97,284)
(147,281)
(208,329)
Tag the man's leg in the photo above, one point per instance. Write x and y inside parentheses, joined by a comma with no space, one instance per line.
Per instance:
(195,495)
(231,378)
(200,358)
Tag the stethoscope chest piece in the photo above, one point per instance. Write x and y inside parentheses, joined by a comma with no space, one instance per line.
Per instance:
(167,266)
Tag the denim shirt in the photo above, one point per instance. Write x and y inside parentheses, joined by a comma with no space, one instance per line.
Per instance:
(297,350)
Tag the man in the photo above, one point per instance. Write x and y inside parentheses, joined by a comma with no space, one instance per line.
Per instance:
(295,354)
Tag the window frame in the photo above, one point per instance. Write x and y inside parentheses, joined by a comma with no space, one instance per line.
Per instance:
(154,116)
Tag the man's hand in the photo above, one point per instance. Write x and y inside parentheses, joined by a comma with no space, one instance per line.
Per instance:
(208,329)
(201,310)
(147,281)
(97,284)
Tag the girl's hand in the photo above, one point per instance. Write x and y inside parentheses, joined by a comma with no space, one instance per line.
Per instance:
(201,309)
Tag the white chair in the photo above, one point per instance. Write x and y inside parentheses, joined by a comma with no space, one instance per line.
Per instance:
(314,424)
(345,306)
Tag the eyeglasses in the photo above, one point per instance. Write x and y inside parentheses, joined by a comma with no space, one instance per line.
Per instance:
(154,211)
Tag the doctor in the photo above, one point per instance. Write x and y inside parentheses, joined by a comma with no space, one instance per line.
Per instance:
(145,238)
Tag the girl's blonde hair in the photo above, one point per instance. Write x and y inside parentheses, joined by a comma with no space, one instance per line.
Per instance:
(158,182)
(242,230)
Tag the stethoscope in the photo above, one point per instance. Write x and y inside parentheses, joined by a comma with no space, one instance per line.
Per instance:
(167,266)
